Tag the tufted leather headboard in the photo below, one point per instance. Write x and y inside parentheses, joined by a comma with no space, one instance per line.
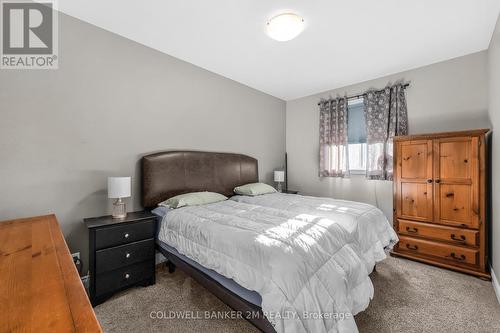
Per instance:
(171,173)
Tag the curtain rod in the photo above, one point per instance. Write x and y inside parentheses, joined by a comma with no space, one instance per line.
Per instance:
(406,85)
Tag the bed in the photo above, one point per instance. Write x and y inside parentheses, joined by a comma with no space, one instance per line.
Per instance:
(280,267)
(367,223)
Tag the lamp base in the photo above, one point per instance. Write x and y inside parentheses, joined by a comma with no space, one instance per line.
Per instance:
(279,187)
(119,209)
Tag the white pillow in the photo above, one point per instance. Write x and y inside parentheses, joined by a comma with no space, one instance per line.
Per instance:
(254,189)
(192,199)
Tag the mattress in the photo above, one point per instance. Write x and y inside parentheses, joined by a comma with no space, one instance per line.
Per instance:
(303,266)
(248,295)
(368,224)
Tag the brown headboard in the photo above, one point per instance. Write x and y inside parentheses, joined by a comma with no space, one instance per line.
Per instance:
(171,173)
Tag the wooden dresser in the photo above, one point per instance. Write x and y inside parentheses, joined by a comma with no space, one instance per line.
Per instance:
(440,186)
(40,289)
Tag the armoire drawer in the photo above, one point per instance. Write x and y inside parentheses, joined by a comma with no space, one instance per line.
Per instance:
(432,231)
(445,251)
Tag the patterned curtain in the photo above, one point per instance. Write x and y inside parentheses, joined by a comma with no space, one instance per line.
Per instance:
(333,159)
(386,116)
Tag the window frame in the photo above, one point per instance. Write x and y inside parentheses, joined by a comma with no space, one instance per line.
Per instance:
(364,151)
(363,154)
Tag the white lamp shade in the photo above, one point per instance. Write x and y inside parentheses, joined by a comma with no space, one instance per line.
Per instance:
(118,187)
(279,176)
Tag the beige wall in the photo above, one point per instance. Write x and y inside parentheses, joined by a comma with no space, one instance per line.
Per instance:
(446,96)
(62,132)
(494,112)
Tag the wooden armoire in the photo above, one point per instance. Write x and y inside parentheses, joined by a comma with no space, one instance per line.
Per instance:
(440,189)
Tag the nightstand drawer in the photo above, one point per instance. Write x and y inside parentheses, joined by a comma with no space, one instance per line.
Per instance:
(122,234)
(124,255)
(112,281)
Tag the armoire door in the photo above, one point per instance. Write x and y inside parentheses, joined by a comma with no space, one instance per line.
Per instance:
(414,180)
(456,181)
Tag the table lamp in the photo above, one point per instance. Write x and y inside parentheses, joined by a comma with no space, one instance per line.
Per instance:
(279,177)
(119,188)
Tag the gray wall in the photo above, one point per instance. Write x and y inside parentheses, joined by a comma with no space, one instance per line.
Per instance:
(494,111)
(446,96)
(62,132)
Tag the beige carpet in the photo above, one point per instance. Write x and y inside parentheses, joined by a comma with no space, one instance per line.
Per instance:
(409,297)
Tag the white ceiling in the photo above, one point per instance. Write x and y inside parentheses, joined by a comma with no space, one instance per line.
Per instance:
(344,42)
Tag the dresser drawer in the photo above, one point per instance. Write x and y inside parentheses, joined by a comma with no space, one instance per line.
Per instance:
(123,277)
(440,250)
(119,256)
(449,234)
(122,234)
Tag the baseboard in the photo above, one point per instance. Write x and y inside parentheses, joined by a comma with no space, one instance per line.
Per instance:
(159,258)
(496,285)
(86,282)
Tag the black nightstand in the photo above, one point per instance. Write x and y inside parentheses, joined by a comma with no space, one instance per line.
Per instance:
(290,192)
(121,253)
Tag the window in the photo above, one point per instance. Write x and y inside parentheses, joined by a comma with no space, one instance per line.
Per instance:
(356,133)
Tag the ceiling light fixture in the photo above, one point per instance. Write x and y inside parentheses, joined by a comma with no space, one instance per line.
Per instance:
(285,27)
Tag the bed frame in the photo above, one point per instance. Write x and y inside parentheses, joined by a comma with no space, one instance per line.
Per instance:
(171,173)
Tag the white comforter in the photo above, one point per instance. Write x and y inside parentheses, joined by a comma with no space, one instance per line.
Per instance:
(367,223)
(310,270)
